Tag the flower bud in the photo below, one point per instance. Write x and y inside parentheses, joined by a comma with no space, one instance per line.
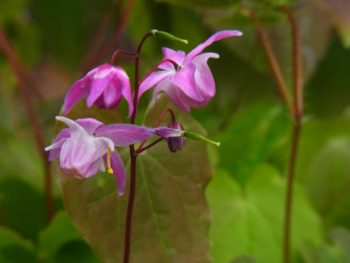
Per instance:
(175,143)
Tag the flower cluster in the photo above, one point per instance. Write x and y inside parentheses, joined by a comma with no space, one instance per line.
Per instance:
(87,146)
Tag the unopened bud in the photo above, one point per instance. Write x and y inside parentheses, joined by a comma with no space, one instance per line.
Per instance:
(175,143)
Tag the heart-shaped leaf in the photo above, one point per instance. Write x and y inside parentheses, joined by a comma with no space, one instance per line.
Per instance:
(171,218)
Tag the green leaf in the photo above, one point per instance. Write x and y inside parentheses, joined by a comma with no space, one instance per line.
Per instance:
(21,207)
(13,248)
(323,167)
(58,237)
(251,137)
(249,220)
(171,218)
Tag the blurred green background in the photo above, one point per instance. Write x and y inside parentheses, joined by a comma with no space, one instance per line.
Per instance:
(58,41)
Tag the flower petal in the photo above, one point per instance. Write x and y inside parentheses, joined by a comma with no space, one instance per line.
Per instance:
(77,92)
(167,132)
(125,134)
(125,89)
(203,77)
(89,124)
(176,56)
(216,37)
(153,79)
(184,80)
(55,147)
(118,171)
(174,93)
(97,87)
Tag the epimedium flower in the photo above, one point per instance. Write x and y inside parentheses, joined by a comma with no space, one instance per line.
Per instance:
(104,86)
(87,146)
(186,79)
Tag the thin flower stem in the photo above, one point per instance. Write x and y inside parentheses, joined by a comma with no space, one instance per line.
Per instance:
(124,52)
(133,155)
(298,114)
(12,58)
(149,146)
(275,67)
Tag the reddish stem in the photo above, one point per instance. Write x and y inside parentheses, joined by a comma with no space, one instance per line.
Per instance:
(128,223)
(298,113)
(32,115)
(140,150)
(157,123)
(275,67)
(123,52)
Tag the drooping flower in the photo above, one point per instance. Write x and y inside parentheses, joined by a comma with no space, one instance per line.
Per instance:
(104,86)
(186,79)
(87,146)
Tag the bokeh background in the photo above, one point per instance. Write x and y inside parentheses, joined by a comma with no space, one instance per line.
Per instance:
(53,43)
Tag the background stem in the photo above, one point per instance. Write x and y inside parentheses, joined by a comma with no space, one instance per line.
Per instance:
(33,117)
(298,114)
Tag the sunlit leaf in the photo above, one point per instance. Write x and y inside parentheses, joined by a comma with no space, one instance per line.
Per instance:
(249,220)
(250,138)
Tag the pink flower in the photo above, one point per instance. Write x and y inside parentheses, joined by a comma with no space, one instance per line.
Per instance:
(104,86)
(87,146)
(187,79)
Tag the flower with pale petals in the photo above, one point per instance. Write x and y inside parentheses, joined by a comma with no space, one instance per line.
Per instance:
(104,86)
(87,146)
(186,79)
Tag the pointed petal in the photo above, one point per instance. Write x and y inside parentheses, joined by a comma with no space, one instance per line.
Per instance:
(167,132)
(153,79)
(118,171)
(203,77)
(111,95)
(216,37)
(125,134)
(77,92)
(125,89)
(177,56)
(55,147)
(89,124)
(74,127)
(184,80)
(97,87)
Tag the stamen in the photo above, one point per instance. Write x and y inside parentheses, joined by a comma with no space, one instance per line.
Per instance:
(109,168)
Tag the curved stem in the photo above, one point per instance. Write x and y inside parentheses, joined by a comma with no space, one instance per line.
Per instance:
(121,51)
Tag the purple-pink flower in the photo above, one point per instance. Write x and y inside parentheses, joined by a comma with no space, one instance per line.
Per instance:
(186,79)
(104,86)
(87,146)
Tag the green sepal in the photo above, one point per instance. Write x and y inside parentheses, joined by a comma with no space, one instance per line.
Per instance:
(166,35)
(199,137)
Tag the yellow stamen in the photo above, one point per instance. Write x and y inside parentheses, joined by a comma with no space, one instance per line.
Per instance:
(109,168)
